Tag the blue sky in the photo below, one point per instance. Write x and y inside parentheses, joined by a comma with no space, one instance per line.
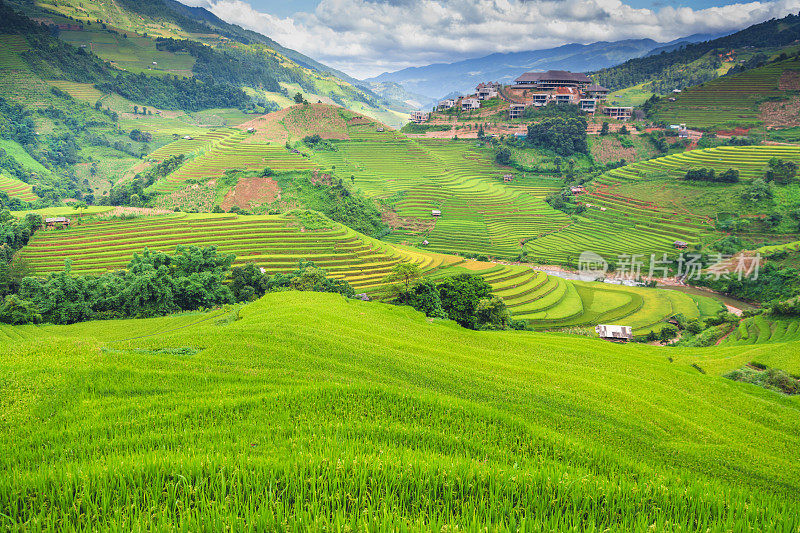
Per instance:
(367,37)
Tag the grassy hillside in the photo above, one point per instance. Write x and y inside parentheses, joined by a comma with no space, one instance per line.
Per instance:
(127,34)
(263,418)
(734,100)
(699,62)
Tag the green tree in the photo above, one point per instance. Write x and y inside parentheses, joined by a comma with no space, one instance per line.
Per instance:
(15,311)
(460,296)
(492,313)
(405,273)
(248,282)
(780,171)
(503,156)
(758,190)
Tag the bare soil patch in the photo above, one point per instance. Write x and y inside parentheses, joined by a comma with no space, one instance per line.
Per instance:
(268,128)
(783,114)
(196,196)
(320,119)
(610,149)
(417,225)
(789,81)
(735,132)
(251,192)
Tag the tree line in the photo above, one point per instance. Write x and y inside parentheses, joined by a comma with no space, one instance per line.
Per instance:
(154,284)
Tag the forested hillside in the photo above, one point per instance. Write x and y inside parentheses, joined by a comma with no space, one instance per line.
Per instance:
(698,62)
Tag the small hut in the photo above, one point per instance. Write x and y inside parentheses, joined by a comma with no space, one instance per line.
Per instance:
(614,333)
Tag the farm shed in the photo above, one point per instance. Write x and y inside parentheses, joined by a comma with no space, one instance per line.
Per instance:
(57,222)
(577,190)
(681,244)
(614,333)
(436,212)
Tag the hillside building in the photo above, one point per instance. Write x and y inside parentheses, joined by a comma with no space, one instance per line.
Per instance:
(614,333)
(487,90)
(468,104)
(588,105)
(446,104)
(420,116)
(539,99)
(596,91)
(553,79)
(619,113)
(516,111)
(566,95)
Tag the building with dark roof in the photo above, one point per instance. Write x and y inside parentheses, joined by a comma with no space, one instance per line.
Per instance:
(596,91)
(553,78)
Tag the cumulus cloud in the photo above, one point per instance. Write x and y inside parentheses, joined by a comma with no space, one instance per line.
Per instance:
(367,37)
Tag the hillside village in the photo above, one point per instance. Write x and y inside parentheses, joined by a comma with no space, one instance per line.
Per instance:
(536,89)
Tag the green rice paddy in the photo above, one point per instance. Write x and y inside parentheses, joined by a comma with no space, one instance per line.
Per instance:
(727,100)
(277,243)
(15,188)
(306,411)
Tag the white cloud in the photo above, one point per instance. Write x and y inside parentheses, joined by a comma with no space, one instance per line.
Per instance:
(367,37)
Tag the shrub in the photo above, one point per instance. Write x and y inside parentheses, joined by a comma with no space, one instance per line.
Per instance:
(16,311)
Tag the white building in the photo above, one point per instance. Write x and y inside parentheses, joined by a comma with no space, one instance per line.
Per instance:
(420,116)
(468,104)
(487,90)
(614,333)
(588,105)
(444,105)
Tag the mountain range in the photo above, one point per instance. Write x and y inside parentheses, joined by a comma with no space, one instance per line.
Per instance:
(439,79)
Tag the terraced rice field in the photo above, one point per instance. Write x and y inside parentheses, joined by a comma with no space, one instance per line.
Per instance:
(192,146)
(615,224)
(225,152)
(275,243)
(480,215)
(553,302)
(306,411)
(762,329)
(80,91)
(793,246)
(15,188)
(751,161)
(729,99)
(17,81)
